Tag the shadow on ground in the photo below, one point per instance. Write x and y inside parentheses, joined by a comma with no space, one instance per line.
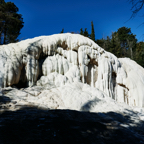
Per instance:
(31,125)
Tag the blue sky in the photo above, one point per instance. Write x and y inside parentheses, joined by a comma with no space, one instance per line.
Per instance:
(46,17)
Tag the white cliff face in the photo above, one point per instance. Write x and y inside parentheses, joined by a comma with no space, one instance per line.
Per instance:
(64,59)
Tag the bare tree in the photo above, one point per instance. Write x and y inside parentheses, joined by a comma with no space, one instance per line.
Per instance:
(137,5)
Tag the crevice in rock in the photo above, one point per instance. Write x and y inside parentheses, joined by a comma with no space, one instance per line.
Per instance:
(63,45)
(20,85)
(114,83)
(92,61)
(75,50)
(23,80)
(42,58)
(93,65)
(114,79)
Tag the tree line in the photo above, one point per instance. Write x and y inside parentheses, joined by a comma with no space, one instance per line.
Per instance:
(122,43)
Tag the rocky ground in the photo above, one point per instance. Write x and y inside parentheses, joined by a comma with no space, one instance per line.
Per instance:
(27,124)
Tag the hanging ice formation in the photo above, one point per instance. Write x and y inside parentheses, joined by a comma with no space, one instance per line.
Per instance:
(75,58)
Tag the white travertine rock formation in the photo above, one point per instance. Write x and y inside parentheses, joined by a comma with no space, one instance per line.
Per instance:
(64,59)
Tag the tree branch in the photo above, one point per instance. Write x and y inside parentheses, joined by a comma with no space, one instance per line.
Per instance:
(137,5)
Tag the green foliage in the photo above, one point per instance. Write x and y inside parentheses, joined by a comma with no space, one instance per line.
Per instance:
(10,22)
(122,43)
(114,45)
(86,34)
(127,41)
(139,53)
(81,31)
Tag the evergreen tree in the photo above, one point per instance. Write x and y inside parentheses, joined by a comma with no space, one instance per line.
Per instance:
(114,46)
(92,32)
(10,22)
(126,37)
(81,31)
(123,43)
(110,44)
(86,33)
(100,42)
(139,53)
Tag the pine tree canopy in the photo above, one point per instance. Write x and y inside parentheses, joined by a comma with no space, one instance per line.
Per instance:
(81,31)
(10,22)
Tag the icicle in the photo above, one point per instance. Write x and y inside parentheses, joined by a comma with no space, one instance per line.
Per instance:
(56,64)
(59,65)
(92,79)
(49,49)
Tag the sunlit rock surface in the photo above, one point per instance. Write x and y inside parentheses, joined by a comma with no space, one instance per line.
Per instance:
(69,71)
